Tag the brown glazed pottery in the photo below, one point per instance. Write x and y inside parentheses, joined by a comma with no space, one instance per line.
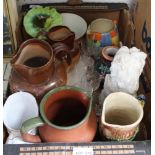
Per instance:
(35,70)
(63,41)
(66,115)
(64,53)
(61,34)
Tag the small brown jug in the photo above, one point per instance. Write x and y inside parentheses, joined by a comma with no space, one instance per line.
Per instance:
(35,70)
(63,39)
(61,34)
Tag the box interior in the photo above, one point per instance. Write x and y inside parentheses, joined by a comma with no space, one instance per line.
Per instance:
(126,31)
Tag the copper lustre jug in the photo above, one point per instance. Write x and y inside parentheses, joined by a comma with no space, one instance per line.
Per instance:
(35,69)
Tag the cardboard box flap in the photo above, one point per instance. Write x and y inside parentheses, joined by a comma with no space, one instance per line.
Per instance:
(142,21)
(81,7)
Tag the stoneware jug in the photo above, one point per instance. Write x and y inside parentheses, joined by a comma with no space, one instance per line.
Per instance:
(67,115)
(35,69)
(121,116)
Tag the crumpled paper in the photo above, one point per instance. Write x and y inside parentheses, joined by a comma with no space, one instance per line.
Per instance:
(126,69)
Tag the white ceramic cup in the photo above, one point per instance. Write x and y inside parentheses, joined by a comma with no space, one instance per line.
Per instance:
(121,116)
(18,108)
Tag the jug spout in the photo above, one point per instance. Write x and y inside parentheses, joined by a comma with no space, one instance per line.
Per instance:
(34,61)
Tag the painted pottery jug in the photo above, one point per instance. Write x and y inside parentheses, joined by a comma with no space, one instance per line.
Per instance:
(102,32)
(121,116)
(35,69)
(67,115)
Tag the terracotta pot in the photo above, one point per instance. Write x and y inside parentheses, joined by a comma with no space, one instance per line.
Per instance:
(67,115)
(35,70)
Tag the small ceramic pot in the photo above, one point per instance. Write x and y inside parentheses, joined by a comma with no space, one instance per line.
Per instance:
(16,111)
(67,115)
(102,32)
(108,53)
(103,63)
(121,116)
(61,34)
(35,69)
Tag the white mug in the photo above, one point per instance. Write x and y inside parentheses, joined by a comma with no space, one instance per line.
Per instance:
(18,108)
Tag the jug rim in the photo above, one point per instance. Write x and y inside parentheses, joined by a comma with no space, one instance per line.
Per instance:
(135,123)
(27,42)
(57,89)
(55,28)
(101,19)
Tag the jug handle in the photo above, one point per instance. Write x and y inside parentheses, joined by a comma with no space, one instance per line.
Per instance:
(141,98)
(29,125)
(58,49)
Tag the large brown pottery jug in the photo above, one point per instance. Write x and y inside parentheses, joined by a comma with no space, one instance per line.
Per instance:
(67,115)
(35,69)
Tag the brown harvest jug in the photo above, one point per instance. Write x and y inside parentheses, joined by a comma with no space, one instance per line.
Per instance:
(63,37)
(35,69)
(66,115)
(61,34)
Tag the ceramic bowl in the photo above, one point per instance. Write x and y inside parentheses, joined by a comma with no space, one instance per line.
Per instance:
(102,32)
(75,23)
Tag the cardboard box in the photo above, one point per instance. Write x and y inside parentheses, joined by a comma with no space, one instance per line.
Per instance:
(130,34)
(142,22)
